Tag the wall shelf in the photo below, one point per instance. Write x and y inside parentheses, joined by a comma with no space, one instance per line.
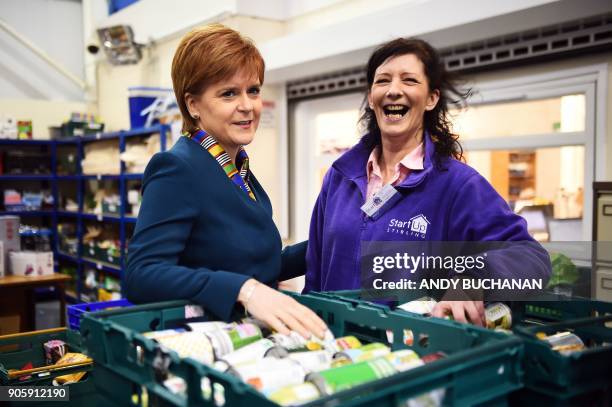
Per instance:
(122,220)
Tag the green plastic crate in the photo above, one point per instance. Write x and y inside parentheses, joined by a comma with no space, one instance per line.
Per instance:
(481,367)
(18,349)
(584,378)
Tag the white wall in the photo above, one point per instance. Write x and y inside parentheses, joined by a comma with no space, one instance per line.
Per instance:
(29,88)
(43,113)
(56,27)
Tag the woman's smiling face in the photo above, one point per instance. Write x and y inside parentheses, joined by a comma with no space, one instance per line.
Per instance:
(229,110)
(400,96)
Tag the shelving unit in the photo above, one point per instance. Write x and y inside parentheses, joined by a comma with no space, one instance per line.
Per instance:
(53,216)
(521,173)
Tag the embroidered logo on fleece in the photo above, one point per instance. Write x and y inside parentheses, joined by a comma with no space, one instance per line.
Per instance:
(415,226)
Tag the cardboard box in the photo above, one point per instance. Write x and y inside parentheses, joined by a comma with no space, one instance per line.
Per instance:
(9,235)
(31,263)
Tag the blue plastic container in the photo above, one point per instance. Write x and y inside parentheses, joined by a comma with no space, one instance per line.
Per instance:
(141,98)
(75,312)
(117,5)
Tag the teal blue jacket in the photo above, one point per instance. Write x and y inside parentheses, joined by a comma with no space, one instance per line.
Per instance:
(199,237)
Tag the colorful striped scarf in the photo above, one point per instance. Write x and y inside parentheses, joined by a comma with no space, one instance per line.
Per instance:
(239,177)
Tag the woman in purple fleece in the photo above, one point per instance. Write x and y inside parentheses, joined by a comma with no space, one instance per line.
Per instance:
(405,181)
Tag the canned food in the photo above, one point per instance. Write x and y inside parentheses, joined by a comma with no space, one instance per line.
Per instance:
(408,336)
(404,359)
(564,342)
(225,341)
(195,345)
(206,327)
(345,377)
(294,342)
(422,306)
(269,374)
(343,343)
(295,394)
(363,353)
(314,361)
(176,385)
(432,357)
(498,315)
(254,351)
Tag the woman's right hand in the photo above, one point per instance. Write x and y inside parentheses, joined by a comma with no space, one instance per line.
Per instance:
(281,312)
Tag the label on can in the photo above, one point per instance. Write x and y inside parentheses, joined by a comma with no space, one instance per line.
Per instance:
(408,336)
(295,394)
(221,342)
(565,342)
(253,351)
(194,345)
(498,315)
(293,341)
(404,359)
(243,334)
(343,343)
(269,374)
(314,361)
(365,352)
(205,327)
(344,377)
(422,306)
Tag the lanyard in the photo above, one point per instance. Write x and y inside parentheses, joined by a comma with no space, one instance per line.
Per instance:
(240,176)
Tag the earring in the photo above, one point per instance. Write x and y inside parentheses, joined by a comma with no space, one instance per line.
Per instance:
(195,116)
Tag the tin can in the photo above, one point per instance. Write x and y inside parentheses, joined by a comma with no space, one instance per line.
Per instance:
(176,385)
(432,357)
(269,374)
(345,377)
(421,306)
(364,353)
(404,359)
(343,343)
(564,342)
(206,327)
(162,333)
(195,345)
(407,339)
(498,315)
(295,394)
(254,351)
(293,342)
(225,341)
(314,361)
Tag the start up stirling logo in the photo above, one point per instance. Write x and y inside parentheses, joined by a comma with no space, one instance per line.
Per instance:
(415,226)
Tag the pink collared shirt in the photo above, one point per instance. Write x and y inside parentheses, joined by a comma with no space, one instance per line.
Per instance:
(412,161)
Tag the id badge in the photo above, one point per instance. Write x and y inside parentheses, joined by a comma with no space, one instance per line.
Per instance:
(379,202)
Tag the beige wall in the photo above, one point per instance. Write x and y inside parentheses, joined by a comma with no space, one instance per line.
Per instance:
(566,64)
(43,113)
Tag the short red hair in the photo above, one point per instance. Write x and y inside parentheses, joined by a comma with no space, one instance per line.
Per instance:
(208,55)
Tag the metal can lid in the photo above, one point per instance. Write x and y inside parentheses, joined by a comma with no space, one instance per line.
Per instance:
(319,382)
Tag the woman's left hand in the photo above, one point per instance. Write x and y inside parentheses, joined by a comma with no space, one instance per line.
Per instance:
(461,311)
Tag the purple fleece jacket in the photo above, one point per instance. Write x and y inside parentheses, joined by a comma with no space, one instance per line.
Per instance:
(455,203)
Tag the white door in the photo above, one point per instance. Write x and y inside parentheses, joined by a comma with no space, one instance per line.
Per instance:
(324,129)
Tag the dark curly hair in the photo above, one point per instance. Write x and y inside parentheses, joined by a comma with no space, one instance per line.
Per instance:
(435,121)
